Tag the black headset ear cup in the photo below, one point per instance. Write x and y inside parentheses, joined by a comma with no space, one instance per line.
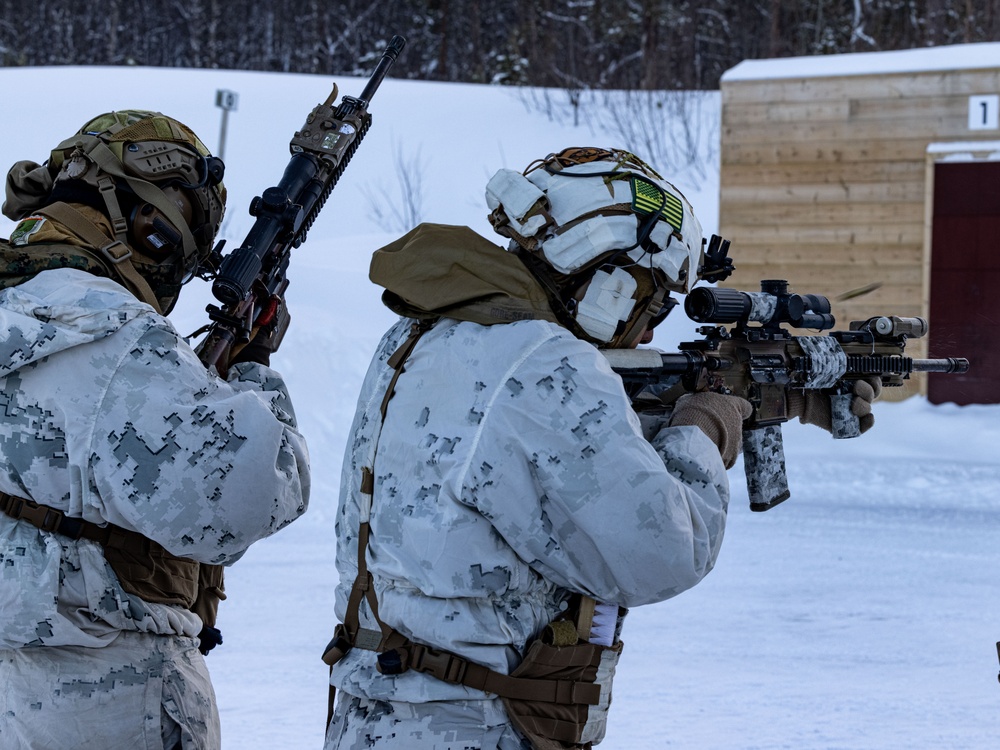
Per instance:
(152,234)
(215,170)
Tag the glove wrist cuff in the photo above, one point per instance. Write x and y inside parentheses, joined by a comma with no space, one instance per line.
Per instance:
(795,402)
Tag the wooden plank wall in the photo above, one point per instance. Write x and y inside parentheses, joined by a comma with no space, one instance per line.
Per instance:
(823,183)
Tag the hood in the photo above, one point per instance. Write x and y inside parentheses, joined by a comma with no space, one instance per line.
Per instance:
(57,310)
(438,270)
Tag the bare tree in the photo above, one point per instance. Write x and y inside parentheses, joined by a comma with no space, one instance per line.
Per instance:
(403,214)
(664,128)
(578,45)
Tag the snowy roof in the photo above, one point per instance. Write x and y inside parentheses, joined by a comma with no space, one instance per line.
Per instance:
(953,57)
(965,151)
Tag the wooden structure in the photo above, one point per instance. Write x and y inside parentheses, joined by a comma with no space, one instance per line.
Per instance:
(875,172)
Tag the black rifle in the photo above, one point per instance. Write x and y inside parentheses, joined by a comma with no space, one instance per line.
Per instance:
(250,282)
(763,363)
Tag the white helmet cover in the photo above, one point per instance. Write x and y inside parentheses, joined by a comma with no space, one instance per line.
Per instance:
(617,236)
(578,213)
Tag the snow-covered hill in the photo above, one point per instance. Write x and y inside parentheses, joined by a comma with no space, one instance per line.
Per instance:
(862,613)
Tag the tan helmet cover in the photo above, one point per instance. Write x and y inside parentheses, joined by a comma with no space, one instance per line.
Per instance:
(176,198)
(149,147)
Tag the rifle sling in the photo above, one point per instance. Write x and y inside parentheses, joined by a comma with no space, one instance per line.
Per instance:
(397,653)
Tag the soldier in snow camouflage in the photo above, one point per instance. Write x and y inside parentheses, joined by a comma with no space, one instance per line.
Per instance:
(127,470)
(497,478)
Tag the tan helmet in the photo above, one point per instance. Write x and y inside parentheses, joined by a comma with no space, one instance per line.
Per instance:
(154,180)
(605,234)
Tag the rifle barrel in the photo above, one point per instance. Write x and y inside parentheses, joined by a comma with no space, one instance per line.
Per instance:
(392,51)
(945,364)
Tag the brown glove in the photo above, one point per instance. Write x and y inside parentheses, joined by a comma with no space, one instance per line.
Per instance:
(265,341)
(718,416)
(814,408)
(258,350)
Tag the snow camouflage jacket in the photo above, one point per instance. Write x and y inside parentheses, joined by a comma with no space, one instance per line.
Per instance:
(110,416)
(511,470)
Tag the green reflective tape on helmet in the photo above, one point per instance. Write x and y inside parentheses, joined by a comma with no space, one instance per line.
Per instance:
(648,198)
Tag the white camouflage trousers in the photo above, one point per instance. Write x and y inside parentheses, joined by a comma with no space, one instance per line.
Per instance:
(360,724)
(142,692)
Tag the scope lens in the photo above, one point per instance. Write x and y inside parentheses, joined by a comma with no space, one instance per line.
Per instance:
(719,305)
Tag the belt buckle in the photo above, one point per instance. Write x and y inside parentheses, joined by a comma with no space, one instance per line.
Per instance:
(51,519)
(441,664)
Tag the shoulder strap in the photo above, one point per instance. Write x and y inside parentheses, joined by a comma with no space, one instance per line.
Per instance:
(115,254)
(363,583)
(396,652)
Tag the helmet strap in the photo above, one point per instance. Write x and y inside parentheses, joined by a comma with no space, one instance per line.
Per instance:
(98,152)
(115,255)
(562,311)
(106,187)
(650,311)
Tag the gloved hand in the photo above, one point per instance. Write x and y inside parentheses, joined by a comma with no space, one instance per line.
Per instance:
(718,416)
(258,349)
(814,408)
(265,340)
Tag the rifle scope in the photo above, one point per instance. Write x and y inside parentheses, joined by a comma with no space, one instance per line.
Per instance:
(326,142)
(771,306)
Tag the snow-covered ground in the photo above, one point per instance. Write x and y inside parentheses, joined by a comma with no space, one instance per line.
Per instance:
(862,613)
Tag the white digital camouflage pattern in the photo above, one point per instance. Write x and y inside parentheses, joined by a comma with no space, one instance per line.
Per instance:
(360,724)
(844,423)
(827,361)
(511,469)
(110,416)
(144,693)
(763,307)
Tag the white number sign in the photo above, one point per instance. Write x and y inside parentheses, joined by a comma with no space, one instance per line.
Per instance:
(983,112)
(227,100)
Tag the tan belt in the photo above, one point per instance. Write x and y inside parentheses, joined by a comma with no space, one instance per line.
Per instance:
(143,567)
(54,520)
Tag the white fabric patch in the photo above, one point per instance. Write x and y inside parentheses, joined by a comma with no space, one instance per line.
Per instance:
(571,197)
(567,197)
(532,226)
(512,190)
(607,301)
(670,260)
(576,247)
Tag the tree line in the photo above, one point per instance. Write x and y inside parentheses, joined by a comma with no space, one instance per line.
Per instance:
(570,44)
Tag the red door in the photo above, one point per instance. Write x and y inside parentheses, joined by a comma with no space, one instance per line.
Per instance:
(965,281)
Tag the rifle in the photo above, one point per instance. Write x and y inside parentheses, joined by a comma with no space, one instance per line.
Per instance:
(250,282)
(763,363)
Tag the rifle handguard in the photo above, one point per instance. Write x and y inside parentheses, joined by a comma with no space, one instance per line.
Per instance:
(256,272)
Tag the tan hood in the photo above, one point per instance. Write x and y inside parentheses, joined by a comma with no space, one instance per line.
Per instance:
(438,270)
